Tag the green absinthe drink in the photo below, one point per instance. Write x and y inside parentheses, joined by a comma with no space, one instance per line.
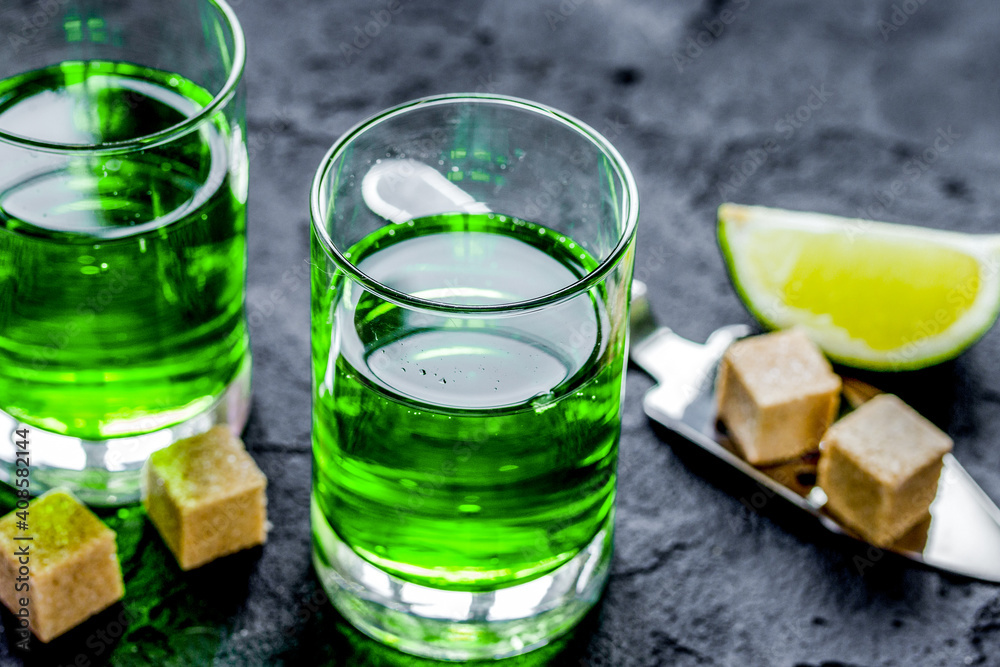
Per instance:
(121,273)
(466,453)
(471,266)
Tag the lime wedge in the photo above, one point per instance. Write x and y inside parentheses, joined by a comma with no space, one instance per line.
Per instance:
(871,294)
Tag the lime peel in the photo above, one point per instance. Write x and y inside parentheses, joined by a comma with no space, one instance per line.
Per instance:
(873,295)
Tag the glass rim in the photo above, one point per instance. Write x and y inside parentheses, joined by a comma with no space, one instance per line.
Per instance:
(219,100)
(630,208)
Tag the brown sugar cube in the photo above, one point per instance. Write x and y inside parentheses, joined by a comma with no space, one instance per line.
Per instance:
(880,466)
(205,495)
(777,395)
(71,562)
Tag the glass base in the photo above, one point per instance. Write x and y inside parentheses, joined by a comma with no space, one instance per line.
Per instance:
(459,625)
(107,472)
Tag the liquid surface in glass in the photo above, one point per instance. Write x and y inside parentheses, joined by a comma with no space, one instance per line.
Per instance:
(465,453)
(121,276)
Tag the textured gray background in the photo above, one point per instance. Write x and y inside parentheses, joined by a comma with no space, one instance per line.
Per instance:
(698,578)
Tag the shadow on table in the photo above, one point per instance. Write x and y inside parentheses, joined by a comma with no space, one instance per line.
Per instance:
(166,619)
(174,619)
(330,641)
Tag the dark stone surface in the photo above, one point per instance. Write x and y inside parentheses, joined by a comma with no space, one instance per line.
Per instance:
(698,579)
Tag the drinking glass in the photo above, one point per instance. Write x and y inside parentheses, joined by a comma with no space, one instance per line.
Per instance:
(471,265)
(123,187)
